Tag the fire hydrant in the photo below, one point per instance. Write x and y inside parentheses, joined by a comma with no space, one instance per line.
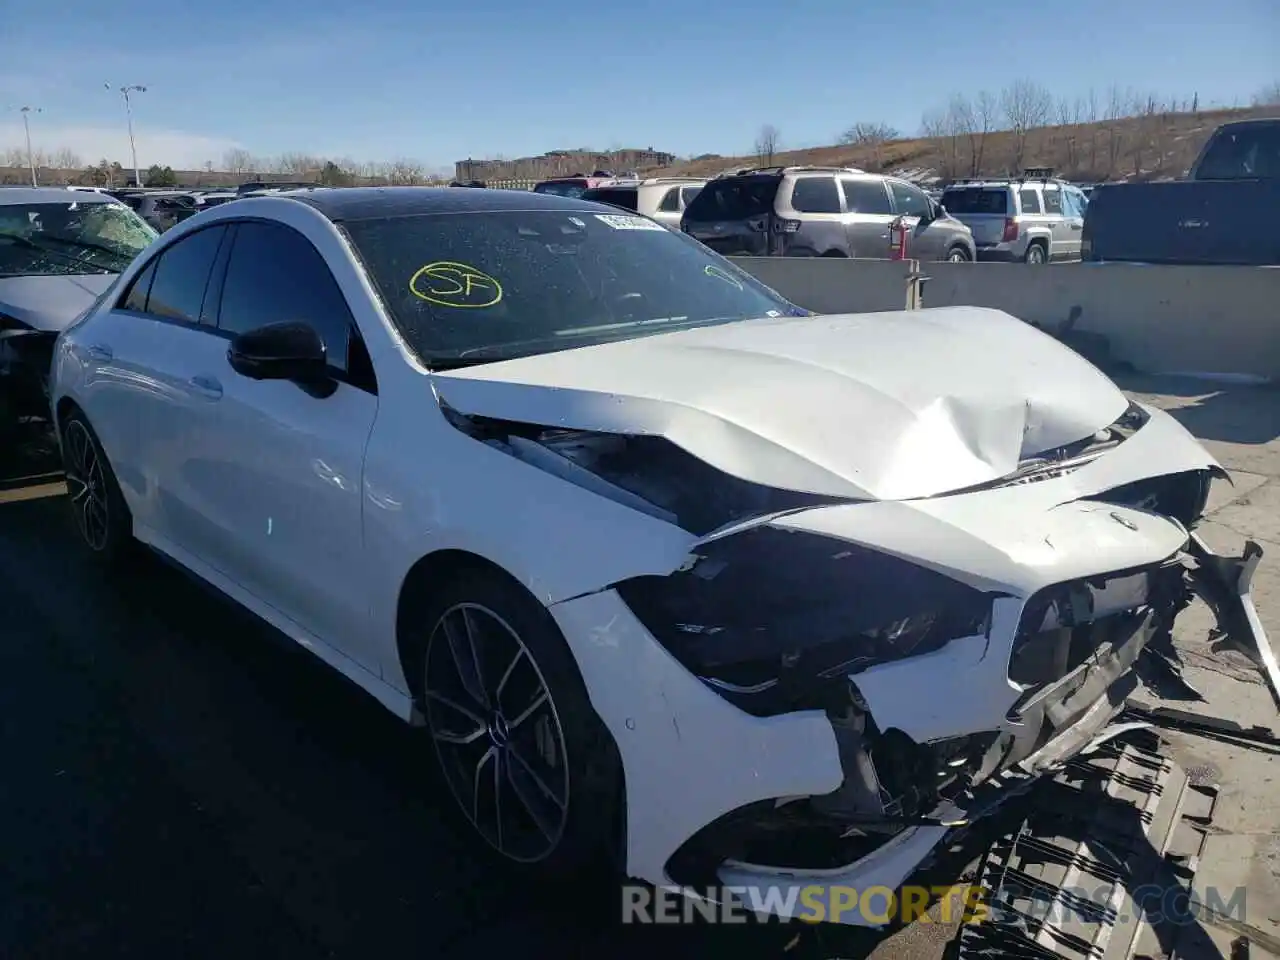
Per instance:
(899,230)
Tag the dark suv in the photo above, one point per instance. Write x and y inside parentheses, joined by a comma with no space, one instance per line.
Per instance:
(821,212)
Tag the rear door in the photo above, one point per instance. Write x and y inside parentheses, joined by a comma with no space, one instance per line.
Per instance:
(1073,204)
(733,215)
(982,209)
(868,213)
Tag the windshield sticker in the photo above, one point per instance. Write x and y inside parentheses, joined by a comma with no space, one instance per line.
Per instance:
(447,283)
(622,222)
(711,270)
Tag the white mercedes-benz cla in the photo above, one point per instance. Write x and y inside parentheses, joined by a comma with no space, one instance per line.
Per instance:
(663,563)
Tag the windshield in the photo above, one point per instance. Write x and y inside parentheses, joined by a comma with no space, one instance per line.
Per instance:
(1247,152)
(69,238)
(977,200)
(562,188)
(479,287)
(734,198)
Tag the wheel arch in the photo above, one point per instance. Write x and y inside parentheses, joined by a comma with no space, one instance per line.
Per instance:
(428,570)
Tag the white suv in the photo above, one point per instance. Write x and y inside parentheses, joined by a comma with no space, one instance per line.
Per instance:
(662,198)
(1028,220)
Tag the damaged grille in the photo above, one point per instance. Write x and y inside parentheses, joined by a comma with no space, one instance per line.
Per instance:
(1065,625)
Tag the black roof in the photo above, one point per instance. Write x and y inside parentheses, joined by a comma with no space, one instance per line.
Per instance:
(367,203)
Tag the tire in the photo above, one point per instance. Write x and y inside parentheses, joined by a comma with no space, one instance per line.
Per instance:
(552,759)
(1036,255)
(958,255)
(99,514)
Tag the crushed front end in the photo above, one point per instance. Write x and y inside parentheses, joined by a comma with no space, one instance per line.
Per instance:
(944,694)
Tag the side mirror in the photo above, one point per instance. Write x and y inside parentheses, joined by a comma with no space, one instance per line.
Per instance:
(279,351)
(939,211)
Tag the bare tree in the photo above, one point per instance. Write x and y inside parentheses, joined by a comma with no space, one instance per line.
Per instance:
(1268,96)
(404,172)
(1116,110)
(767,143)
(237,161)
(1070,110)
(1027,105)
(65,159)
(296,164)
(872,136)
(985,118)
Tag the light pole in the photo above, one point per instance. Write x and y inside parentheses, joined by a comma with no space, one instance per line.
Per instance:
(128,113)
(26,126)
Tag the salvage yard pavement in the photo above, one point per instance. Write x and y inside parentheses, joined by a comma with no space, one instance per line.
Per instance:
(176,784)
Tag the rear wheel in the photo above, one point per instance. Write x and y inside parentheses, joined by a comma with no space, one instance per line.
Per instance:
(958,255)
(1036,254)
(98,510)
(529,763)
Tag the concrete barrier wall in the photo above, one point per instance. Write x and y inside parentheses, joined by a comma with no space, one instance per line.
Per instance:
(1158,319)
(830,285)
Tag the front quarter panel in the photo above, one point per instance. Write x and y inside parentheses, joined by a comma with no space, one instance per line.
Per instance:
(429,487)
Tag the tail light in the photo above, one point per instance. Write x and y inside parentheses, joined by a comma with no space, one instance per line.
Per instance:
(1010,230)
(781,225)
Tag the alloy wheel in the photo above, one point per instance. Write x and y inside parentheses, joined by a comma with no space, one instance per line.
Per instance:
(497,733)
(87,486)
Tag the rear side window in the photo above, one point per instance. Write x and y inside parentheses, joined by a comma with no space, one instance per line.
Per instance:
(734,198)
(865,196)
(688,193)
(815,195)
(1029,200)
(993,200)
(670,201)
(182,274)
(1053,201)
(623,197)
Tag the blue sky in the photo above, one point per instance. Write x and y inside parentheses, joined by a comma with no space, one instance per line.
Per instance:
(500,77)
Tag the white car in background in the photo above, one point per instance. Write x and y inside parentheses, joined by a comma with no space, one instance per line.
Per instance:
(663,564)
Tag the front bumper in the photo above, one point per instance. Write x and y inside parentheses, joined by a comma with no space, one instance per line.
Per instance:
(720,799)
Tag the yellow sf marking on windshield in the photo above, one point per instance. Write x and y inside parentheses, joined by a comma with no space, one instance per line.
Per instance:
(711,270)
(451,284)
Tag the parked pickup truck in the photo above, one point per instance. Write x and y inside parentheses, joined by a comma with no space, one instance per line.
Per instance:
(1227,210)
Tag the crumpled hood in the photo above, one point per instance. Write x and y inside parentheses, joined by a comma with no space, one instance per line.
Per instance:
(51,303)
(885,406)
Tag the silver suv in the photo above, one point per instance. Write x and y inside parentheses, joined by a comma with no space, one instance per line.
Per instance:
(821,212)
(1033,219)
(662,198)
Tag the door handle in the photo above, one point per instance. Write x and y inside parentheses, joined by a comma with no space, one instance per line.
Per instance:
(207,387)
(1077,226)
(99,351)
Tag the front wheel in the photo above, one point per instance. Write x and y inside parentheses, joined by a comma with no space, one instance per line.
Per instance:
(528,761)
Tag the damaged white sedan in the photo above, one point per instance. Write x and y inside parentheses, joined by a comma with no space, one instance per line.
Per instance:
(664,564)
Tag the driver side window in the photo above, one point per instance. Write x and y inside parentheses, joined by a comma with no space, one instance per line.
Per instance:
(275,275)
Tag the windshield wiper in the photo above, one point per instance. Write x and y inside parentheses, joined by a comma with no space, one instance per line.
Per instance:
(51,251)
(92,245)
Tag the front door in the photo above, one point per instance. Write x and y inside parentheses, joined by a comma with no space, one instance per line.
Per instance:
(283,482)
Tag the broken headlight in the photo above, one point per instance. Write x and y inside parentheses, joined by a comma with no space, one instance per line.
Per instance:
(777,620)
